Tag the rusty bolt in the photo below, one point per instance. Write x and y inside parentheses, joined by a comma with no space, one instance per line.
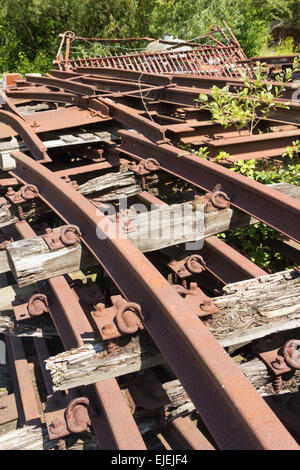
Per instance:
(195,264)
(215,199)
(207,305)
(70,234)
(37,305)
(150,164)
(278,363)
(109,329)
(73,183)
(184,291)
(29,191)
(181,290)
(277,383)
(48,232)
(10,191)
(291,353)
(99,309)
(127,318)
(77,416)
(193,288)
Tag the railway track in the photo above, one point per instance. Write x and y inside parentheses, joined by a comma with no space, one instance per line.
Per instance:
(146,320)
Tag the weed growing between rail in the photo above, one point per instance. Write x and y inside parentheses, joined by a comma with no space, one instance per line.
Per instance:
(254,240)
(246,108)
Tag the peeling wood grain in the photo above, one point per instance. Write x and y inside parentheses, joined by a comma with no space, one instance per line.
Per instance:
(257,307)
(85,365)
(27,438)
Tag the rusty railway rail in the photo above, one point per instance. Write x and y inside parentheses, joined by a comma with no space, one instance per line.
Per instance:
(151,113)
(163,308)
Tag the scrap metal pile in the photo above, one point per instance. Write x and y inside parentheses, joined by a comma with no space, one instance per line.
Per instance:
(206,55)
(116,341)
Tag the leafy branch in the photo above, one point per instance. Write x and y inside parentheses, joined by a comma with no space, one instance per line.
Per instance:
(247,107)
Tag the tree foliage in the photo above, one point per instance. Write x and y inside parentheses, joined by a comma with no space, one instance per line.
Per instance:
(29,28)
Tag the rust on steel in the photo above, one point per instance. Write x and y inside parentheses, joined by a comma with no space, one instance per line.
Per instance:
(121,113)
(264,203)
(81,101)
(117,429)
(67,314)
(72,319)
(128,116)
(74,328)
(74,170)
(150,78)
(188,435)
(24,385)
(216,60)
(116,85)
(54,120)
(66,84)
(226,263)
(41,347)
(237,417)
(37,148)
(77,416)
(222,261)
(181,80)
(291,353)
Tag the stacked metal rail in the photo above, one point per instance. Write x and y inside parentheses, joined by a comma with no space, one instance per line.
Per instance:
(105,119)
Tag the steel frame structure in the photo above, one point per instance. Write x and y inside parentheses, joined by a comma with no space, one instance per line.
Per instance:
(213,58)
